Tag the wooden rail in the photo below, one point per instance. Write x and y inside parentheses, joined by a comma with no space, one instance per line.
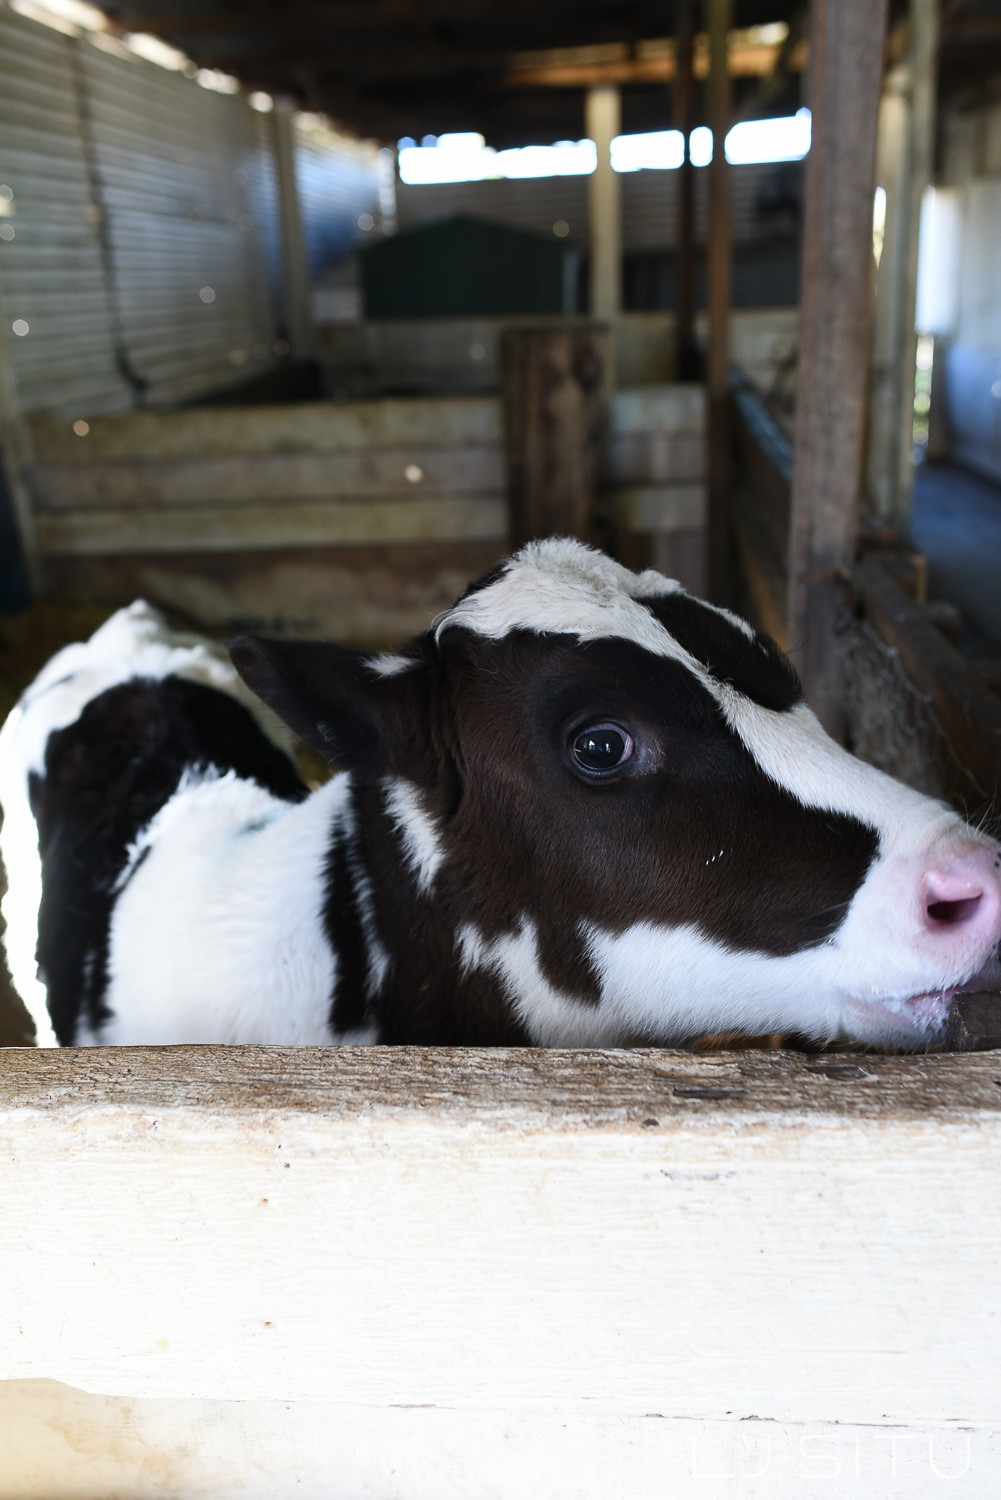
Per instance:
(356,519)
(650,1247)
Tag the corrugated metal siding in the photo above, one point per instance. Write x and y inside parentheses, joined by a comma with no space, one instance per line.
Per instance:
(52,273)
(173,163)
(338,180)
(134,188)
(649,201)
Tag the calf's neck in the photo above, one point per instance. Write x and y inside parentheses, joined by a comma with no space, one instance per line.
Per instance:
(586,809)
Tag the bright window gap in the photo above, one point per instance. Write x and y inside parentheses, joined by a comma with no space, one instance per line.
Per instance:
(466,157)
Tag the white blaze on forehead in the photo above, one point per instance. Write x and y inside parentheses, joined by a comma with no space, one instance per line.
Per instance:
(418,830)
(561,586)
(795,751)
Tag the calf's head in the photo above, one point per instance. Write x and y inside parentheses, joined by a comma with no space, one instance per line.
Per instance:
(611,798)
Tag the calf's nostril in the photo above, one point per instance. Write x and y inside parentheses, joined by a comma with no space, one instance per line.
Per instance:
(953,913)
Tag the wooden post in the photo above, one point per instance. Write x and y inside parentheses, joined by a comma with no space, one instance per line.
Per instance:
(295,263)
(720,13)
(602,116)
(688,362)
(904,168)
(846,67)
(556,401)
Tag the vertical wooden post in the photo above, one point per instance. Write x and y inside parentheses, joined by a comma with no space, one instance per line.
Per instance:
(602,116)
(904,168)
(556,398)
(295,263)
(720,13)
(846,68)
(684,304)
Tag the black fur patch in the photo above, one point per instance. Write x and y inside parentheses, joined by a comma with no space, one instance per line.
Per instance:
(754,666)
(106,776)
(343,924)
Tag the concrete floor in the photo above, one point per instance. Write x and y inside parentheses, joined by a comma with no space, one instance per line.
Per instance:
(956,521)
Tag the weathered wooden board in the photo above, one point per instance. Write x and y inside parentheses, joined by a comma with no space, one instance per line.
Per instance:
(846,42)
(968,713)
(557,388)
(267,476)
(295,427)
(659,408)
(706,1238)
(679,457)
(365,596)
(359,521)
(64,1444)
(661,507)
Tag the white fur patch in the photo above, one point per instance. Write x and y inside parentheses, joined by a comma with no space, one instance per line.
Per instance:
(561,586)
(418,830)
(219,935)
(390,664)
(662,984)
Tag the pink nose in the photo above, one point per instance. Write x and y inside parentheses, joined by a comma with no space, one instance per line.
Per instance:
(964,899)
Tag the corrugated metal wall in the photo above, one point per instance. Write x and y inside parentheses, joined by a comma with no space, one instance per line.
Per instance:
(649,202)
(140,241)
(172,170)
(52,273)
(338,182)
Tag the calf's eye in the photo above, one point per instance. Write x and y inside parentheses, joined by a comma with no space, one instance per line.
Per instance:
(602,748)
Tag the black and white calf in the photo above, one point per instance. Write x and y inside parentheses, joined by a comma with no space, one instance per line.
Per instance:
(585,809)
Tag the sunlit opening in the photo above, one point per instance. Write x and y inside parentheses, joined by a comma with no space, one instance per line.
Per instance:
(654,149)
(466,157)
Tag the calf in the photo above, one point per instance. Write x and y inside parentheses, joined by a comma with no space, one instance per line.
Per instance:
(584,810)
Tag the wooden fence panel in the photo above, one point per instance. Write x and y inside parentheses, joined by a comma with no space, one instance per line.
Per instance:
(396,1254)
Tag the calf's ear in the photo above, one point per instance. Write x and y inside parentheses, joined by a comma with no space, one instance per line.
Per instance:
(329,695)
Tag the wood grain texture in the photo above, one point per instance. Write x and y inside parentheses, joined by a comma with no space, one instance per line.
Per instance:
(294,427)
(846,67)
(660,507)
(64,1444)
(556,412)
(354,521)
(241,480)
(649,1231)
(370,596)
(968,712)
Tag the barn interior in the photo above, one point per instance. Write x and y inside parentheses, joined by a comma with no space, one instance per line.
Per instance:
(310,310)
